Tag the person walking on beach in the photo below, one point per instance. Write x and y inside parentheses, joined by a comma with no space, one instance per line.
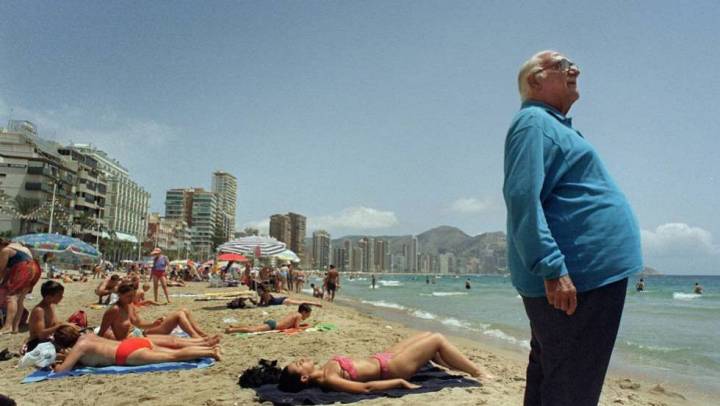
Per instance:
(160,263)
(19,273)
(332,283)
(572,238)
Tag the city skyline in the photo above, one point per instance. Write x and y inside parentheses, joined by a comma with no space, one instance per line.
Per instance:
(380,118)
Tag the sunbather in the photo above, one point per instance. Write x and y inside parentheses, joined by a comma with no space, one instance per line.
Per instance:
(292,320)
(382,371)
(107,287)
(267,299)
(122,320)
(95,351)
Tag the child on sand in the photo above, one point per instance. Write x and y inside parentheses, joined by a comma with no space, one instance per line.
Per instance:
(292,320)
(140,300)
(43,320)
(317,292)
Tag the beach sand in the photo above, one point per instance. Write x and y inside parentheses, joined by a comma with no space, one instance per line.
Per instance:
(357,335)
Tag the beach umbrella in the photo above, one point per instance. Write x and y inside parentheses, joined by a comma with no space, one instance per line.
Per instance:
(232,257)
(288,255)
(63,246)
(253,245)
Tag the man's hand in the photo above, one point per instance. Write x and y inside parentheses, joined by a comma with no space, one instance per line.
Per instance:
(561,293)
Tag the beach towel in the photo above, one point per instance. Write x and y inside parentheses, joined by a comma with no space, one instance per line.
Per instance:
(319,327)
(431,379)
(46,373)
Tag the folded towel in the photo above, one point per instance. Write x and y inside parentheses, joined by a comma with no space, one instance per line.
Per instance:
(43,374)
(431,379)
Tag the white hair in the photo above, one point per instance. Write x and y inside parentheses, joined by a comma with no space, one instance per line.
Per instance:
(530,67)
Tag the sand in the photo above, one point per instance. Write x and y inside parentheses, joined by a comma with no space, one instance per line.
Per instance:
(357,335)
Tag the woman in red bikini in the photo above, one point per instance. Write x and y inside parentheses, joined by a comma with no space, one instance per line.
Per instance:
(122,320)
(385,370)
(91,350)
(19,273)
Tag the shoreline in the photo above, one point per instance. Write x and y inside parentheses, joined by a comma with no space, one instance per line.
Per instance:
(359,333)
(619,368)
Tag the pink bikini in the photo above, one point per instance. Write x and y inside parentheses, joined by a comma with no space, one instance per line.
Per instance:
(347,365)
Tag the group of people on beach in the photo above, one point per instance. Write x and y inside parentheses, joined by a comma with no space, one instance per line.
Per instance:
(125,338)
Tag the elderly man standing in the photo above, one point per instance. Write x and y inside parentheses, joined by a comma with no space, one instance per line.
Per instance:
(573,240)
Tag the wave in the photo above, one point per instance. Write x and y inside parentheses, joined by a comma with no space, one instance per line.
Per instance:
(448,293)
(653,348)
(453,322)
(382,303)
(499,334)
(390,283)
(685,296)
(424,315)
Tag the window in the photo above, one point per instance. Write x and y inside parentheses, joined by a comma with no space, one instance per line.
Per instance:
(33,186)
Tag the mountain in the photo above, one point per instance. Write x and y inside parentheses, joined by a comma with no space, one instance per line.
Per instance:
(440,240)
(481,253)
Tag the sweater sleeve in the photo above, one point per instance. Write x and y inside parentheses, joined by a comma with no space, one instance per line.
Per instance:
(525,177)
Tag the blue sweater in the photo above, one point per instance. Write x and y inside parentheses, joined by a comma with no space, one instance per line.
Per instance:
(565,214)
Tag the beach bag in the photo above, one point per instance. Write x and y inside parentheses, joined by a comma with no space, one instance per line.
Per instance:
(79,318)
(42,356)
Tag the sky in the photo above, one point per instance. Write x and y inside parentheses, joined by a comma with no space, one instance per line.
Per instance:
(377,117)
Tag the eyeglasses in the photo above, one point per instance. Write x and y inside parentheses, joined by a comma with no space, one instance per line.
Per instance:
(563,65)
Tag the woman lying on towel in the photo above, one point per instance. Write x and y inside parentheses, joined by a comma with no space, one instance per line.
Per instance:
(122,320)
(91,350)
(386,370)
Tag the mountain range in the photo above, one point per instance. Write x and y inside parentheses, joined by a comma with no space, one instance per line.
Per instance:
(488,249)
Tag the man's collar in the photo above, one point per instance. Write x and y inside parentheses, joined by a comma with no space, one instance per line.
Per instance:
(550,109)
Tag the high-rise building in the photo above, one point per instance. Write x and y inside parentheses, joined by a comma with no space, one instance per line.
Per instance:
(446,263)
(321,249)
(224,185)
(347,264)
(411,252)
(381,251)
(127,203)
(31,173)
(197,207)
(204,206)
(358,259)
(297,234)
(90,195)
(368,246)
(178,204)
(173,236)
(280,228)
(340,259)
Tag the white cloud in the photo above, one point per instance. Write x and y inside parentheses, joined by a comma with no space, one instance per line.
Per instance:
(472,205)
(678,239)
(123,138)
(357,218)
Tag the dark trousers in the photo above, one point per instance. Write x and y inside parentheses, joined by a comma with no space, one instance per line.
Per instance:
(569,355)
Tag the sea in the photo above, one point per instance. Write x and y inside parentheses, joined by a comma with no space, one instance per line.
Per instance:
(667,333)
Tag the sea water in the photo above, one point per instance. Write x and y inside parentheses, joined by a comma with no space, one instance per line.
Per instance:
(667,332)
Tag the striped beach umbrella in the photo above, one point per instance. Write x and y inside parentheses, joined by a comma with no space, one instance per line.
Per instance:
(58,244)
(288,255)
(254,245)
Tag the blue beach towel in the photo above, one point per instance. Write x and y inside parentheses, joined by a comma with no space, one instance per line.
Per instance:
(430,379)
(47,373)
